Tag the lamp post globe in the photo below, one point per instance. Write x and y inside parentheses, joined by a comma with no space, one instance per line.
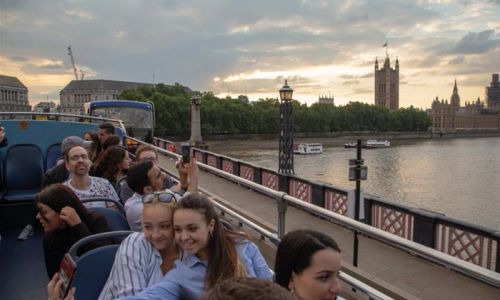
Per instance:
(286,92)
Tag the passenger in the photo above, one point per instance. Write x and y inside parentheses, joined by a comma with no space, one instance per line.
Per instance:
(85,186)
(111,141)
(146,178)
(308,264)
(113,164)
(3,143)
(59,173)
(143,258)
(147,152)
(211,253)
(56,174)
(3,138)
(105,130)
(95,149)
(65,221)
(248,289)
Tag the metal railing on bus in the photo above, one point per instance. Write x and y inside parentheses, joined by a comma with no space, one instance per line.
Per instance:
(283,199)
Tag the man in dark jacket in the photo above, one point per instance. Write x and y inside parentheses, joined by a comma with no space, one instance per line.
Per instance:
(59,173)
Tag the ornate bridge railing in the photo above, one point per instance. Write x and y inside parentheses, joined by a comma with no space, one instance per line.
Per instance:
(465,241)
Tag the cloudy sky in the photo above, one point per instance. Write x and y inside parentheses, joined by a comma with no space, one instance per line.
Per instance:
(250,47)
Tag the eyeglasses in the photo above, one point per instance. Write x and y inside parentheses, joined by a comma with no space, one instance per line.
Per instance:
(163,197)
(77,157)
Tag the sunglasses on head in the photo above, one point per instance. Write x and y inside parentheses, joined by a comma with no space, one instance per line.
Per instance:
(163,197)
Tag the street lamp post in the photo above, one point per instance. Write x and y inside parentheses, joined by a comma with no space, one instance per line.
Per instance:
(286,131)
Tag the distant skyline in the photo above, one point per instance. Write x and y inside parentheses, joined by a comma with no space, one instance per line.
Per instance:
(322,47)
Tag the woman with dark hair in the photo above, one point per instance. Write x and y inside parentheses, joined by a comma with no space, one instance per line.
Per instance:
(65,221)
(95,148)
(211,253)
(113,164)
(308,264)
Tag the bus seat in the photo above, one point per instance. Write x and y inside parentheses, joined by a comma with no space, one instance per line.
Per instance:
(114,216)
(115,219)
(53,154)
(23,171)
(94,266)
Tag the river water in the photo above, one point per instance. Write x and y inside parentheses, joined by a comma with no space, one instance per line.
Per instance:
(458,177)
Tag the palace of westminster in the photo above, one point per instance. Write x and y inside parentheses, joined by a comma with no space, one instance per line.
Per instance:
(446,116)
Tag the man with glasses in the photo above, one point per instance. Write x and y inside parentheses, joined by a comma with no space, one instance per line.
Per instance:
(78,164)
(146,179)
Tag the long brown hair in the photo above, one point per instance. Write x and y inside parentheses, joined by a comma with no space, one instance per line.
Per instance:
(95,148)
(57,196)
(223,259)
(107,164)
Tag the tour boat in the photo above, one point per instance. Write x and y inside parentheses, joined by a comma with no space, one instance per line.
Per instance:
(370,144)
(377,144)
(350,145)
(306,148)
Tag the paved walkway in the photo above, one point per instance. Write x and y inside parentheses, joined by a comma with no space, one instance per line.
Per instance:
(414,275)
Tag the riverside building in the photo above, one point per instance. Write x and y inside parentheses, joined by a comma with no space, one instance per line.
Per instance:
(493,93)
(387,84)
(78,92)
(13,94)
(326,100)
(474,116)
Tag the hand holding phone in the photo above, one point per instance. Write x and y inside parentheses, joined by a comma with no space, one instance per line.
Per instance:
(186,152)
(66,272)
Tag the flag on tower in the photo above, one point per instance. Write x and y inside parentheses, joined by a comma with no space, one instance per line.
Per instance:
(384,45)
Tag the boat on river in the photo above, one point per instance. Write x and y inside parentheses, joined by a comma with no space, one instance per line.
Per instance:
(370,144)
(308,148)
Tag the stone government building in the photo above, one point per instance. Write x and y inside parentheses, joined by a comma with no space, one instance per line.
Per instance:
(387,85)
(13,94)
(474,116)
(78,92)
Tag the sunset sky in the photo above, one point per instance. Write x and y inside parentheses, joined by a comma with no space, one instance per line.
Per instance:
(250,47)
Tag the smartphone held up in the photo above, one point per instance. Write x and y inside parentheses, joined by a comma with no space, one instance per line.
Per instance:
(186,152)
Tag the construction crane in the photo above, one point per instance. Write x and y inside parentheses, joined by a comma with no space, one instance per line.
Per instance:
(75,71)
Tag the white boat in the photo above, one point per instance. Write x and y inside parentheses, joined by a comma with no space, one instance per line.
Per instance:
(306,148)
(377,144)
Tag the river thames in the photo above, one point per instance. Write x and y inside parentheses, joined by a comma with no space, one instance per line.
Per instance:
(457,177)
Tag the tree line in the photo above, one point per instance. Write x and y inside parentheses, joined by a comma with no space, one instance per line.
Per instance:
(232,116)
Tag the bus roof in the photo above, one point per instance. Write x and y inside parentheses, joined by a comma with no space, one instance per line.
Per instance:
(123,103)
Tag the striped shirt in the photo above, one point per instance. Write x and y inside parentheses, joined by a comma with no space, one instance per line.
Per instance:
(136,266)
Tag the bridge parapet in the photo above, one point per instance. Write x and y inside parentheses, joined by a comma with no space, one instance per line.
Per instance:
(469,242)
(165,144)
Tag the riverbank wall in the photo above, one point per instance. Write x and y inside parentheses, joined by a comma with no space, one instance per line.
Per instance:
(269,141)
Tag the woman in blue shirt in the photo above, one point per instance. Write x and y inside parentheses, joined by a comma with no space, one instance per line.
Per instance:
(211,253)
